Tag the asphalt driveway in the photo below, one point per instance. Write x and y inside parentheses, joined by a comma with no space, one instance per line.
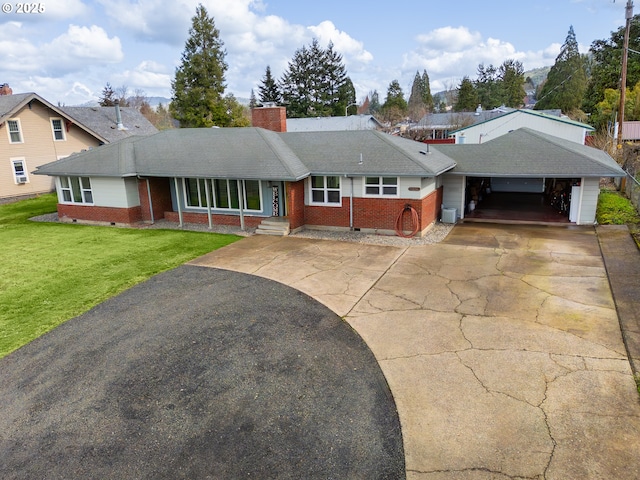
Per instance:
(199,373)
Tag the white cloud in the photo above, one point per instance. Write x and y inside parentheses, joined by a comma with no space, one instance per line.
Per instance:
(63,9)
(152,77)
(79,45)
(351,49)
(450,53)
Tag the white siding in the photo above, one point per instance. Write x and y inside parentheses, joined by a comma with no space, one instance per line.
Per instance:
(497,127)
(590,193)
(453,192)
(115,192)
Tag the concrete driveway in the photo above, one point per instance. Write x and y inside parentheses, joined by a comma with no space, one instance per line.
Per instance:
(501,345)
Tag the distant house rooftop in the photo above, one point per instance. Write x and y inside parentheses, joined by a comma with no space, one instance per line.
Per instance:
(104,121)
(333,124)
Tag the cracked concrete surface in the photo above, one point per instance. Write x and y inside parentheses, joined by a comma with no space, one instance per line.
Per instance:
(501,345)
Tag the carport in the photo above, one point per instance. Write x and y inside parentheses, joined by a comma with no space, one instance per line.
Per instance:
(549,201)
(526,177)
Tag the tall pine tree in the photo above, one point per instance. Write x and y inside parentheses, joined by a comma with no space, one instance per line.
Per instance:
(199,84)
(566,82)
(467,96)
(511,74)
(268,89)
(420,99)
(427,98)
(395,106)
(315,83)
(416,107)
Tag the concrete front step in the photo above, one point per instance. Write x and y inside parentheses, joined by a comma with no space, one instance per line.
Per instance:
(273,227)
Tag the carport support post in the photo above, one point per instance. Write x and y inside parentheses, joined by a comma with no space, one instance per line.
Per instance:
(240,203)
(208,194)
(175,183)
(150,203)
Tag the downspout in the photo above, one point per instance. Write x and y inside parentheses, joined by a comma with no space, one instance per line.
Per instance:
(208,194)
(175,182)
(241,203)
(150,203)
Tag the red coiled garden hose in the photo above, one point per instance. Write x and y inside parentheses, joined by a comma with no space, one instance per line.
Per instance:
(415,222)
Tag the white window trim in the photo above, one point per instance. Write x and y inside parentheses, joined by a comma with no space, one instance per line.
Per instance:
(61,189)
(381,186)
(25,173)
(53,131)
(217,209)
(17,120)
(325,189)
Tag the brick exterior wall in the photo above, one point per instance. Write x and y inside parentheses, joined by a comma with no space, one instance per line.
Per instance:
(376,213)
(270,118)
(88,213)
(217,219)
(160,197)
(295,204)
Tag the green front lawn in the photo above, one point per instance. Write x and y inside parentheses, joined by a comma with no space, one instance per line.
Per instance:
(51,272)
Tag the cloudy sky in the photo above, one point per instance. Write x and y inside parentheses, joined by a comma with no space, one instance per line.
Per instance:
(67,50)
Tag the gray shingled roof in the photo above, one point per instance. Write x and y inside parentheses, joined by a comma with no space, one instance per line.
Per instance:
(338,153)
(256,153)
(11,103)
(102,120)
(528,153)
(240,153)
(110,160)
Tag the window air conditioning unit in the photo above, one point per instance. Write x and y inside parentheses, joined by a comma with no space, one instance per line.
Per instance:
(22,179)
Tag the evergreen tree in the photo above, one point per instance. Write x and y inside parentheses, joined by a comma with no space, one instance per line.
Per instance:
(199,84)
(427,98)
(347,95)
(253,101)
(108,98)
(268,89)
(467,96)
(420,99)
(566,82)
(374,102)
(315,83)
(339,89)
(511,74)
(487,87)
(395,106)
(416,107)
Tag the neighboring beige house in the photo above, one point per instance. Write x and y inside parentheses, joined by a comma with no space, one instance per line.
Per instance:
(34,132)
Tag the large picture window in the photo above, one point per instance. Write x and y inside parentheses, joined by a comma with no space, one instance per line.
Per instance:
(381,186)
(325,190)
(76,190)
(223,194)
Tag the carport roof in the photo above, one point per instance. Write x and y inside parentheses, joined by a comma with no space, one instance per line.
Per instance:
(528,153)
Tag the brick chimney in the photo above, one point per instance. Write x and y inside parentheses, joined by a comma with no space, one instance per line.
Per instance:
(270,117)
(5,89)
